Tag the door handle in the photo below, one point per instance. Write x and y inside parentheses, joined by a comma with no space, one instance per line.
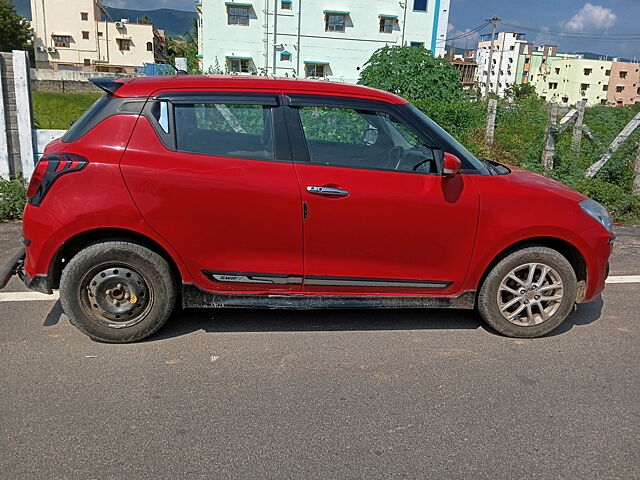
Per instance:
(328,191)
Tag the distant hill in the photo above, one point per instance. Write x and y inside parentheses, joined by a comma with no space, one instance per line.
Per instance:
(174,22)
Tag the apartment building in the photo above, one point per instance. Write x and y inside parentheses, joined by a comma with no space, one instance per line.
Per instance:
(624,84)
(501,74)
(330,39)
(570,80)
(74,36)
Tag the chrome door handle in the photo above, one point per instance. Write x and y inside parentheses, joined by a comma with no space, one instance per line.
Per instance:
(329,191)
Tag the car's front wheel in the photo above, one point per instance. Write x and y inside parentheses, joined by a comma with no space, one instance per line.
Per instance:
(528,293)
(117,292)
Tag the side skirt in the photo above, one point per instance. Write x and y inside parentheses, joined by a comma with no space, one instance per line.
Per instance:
(194,297)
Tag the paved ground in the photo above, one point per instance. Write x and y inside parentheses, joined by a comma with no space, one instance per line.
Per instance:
(365,394)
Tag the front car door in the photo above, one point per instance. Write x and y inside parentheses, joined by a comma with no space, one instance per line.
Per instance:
(378,216)
(212,174)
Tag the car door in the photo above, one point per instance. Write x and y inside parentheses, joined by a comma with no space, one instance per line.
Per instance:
(378,216)
(212,174)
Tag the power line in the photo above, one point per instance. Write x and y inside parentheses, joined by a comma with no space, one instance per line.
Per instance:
(466,34)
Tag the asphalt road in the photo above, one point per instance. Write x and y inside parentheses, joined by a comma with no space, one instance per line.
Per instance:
(325,394)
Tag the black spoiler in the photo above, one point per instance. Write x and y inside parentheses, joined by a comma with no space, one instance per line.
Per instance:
(108,84)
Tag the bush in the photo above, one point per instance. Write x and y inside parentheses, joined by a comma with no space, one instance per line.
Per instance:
(13,196)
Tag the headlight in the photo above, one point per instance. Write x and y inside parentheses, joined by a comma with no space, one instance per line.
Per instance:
(598,213)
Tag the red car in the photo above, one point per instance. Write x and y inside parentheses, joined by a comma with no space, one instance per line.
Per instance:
(257,192)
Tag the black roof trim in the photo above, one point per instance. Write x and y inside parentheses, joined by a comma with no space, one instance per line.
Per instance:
(108,84)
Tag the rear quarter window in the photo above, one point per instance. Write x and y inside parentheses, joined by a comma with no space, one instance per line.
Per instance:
(87,121)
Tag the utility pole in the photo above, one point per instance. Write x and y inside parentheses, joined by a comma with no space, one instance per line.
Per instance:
(494,23)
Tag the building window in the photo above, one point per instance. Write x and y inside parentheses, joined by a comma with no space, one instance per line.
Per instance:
(607,72)
(565,99)
(587,71)
(149,46)
(584,86)
(87,62)
(84,16)
(557,71)
(285,56)
(238,65)
(85,35)
(420,5)
(99,34)
(285,5)
(420,45)
(386,24)
(62,41)
(335,22)
(124,44)
(623,74)
(553,85)
(314,70)
(620,89)
(527,60)
(238,15)
(638,92)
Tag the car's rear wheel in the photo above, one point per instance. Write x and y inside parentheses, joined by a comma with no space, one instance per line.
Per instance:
(528,293)
(117,292)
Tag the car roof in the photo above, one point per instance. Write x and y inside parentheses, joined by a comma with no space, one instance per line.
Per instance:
(147,86)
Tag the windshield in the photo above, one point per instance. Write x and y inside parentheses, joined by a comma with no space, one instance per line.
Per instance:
(448,143)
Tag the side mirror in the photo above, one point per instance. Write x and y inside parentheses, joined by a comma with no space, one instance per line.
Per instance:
(370,136)
(451,165)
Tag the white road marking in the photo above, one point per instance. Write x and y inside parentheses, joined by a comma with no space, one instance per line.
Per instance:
(624,279)
(27,296)
(36,296)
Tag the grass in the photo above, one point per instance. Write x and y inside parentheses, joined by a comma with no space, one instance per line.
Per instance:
(60,110)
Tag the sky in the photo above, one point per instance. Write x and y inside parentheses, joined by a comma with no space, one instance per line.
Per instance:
(587,23)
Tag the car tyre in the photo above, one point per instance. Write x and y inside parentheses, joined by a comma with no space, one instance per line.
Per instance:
(529,293)
(117,291)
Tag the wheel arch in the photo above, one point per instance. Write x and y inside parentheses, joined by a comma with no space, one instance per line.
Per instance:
(78,242)
(565,248)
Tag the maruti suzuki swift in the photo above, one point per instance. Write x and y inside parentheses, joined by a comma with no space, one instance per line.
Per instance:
(279,193)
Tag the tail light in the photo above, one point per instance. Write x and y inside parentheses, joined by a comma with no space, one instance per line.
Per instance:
(51,167)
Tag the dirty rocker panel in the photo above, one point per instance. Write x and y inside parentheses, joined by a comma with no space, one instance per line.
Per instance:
(194,297)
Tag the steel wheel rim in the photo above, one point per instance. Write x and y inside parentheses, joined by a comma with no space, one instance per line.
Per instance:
(116,295)
(530,294)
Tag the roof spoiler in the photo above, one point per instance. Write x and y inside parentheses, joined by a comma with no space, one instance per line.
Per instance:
(108,84)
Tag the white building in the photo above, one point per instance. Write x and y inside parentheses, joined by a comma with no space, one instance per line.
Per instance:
(313,38)
(73,37)
(501,75)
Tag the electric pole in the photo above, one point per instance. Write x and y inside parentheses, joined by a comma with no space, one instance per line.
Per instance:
(494,23)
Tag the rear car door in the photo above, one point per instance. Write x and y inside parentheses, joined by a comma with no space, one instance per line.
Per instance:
(378,216)
(212,174)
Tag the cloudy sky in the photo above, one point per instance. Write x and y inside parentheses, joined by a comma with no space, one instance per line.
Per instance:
(587,23)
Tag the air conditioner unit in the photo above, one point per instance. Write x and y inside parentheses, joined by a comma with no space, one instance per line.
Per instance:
(51,49)
(119,25)
(41,49)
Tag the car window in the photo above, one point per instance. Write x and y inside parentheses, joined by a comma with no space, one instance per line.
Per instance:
(229,130)
(365,139)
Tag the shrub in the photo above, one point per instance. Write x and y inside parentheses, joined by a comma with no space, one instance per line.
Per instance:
(13,194)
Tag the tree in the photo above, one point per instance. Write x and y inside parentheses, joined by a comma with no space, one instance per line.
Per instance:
(521,90)
(413,73)
(144,20)
(185,46)
(15,31)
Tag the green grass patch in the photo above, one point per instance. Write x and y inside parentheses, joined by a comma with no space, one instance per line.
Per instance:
(60,110)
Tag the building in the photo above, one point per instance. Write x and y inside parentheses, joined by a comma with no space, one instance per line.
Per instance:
(501,74)
(76,38)
(570,80)
(624,84)
(535,59)
(467,68)
(313,38)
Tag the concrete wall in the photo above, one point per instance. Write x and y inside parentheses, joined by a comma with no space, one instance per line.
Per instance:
(344,53)
(60,81)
